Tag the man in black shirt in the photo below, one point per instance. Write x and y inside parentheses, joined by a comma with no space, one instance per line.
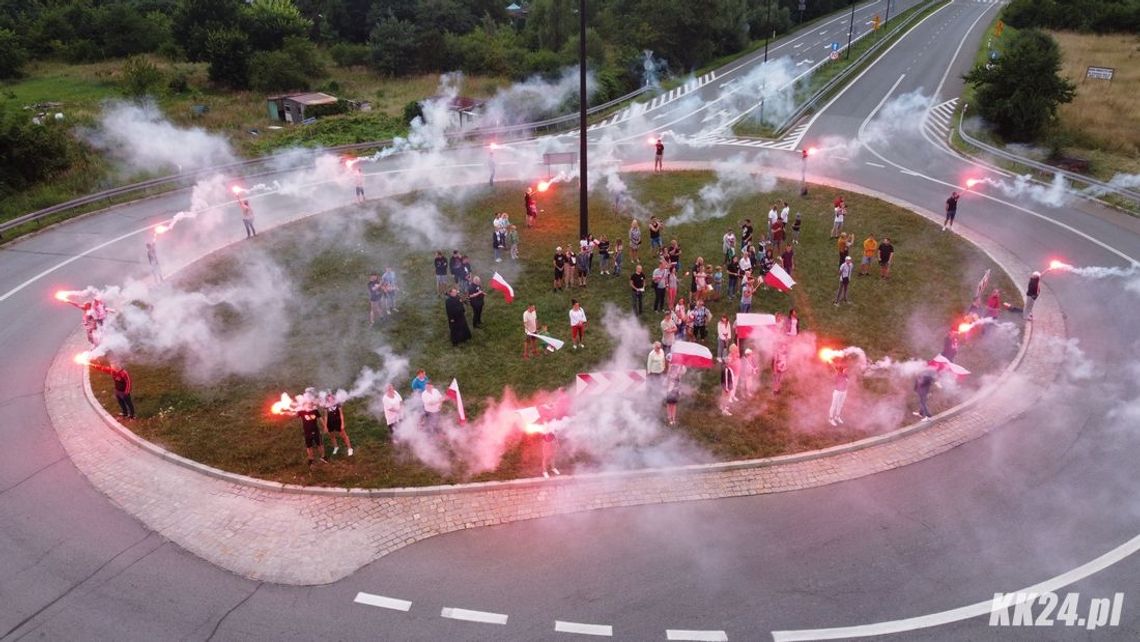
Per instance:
(951,212)
(440,273)
(659,156)
(455,264)
(311,428)
(746,234)
(886,254)
(559,263)
(637,287)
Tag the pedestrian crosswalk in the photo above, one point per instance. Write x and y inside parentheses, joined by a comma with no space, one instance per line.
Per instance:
(788,142)
(658,101)
(939,119)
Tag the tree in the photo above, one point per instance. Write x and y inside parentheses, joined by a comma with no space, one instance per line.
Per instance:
(30,152)
(140,77)
(12,54)
(227,51)
(1020,92)
(393,43)
(195,19)
(269,22)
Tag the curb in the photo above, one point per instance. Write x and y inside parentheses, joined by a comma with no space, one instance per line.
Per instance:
(767,462)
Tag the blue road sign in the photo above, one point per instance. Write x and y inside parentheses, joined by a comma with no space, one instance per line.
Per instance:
(835,46)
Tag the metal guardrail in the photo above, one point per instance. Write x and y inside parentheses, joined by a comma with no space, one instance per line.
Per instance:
(842,76)
(1106,188)
(189,177)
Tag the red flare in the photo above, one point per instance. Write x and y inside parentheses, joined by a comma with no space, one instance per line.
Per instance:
(827,355)
(283,406)
(971,182)
(83,358)
(543,186)
(62,295)
(811,151)
(161,229)
(494,146)
(653,140)
(534,429)
(1059,265)
(964,327)
(237,189)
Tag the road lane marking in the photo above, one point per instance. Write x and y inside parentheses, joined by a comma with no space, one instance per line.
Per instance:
(603,630)
(875,165)
(966,612)
(699,636)
(382,602)
(467,615)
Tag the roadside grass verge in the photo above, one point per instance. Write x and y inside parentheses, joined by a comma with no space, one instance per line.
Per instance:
(328,257)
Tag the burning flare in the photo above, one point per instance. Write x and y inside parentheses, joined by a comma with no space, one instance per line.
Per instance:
(543,186)
(811,151)
(971,182)
(83,358)
(1059,265)
(161,229)
(827,355)
(282,407)
(63,295)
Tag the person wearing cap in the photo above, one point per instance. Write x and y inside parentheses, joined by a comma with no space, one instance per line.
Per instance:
(844,280)
(1031,292)
(655,362)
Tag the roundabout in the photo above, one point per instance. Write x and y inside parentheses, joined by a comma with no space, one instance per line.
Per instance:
(1046,491)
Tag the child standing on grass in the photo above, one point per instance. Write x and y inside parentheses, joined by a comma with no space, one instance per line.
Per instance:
(577,324)
(619,256)
(513,241)
(796,229)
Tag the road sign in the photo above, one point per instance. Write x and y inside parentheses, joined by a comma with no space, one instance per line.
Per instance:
(1100,73)
(803,5)
(834,55)
(835,46)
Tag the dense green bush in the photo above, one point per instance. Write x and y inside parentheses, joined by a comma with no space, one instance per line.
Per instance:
(140,77)
(228,51)
(349,54)
(31,152)
(1099,16)
(12,54)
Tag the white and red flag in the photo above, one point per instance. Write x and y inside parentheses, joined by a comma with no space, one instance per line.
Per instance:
(552,343)
(779,279)
(453,392)
(692,355)
(500,284)
(749,324)
(942,363)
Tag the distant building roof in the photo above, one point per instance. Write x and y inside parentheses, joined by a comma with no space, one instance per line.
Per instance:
(315,98)
(513,7)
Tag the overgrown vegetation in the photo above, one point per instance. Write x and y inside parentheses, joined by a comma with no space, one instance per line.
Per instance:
(1097,16)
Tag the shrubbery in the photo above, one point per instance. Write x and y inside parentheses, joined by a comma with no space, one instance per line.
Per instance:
(29,152)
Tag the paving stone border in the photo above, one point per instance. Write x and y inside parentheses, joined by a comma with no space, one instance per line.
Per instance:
(276,532)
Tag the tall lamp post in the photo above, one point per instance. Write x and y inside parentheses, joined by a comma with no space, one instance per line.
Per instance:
(768,31)
(807,151)
(851,30)
(583,192)
(888,12)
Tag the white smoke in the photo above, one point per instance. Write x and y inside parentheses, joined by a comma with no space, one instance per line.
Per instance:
(766,93)
(1130,274)
(139,137)
(1023,187)
(534,99)
(733,182)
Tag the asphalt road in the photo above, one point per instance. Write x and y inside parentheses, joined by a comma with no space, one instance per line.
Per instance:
(1039,497)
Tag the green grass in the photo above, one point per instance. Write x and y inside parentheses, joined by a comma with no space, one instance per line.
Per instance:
(227,425)
(755,128)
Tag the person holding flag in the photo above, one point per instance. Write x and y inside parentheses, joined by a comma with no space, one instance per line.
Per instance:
(530,330)
(454,395)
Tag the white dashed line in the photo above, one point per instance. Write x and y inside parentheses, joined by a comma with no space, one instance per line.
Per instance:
(603,630)
(473,616)
(875,165)
(699,636)
(382,602)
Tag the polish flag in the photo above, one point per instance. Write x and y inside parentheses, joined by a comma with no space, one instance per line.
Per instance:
(500,284)
(453,392)
(749,324)
(693,355)
(552,343)
(779,279)
(942,363)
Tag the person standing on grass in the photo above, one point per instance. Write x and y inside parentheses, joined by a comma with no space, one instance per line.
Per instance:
(433,404)
(123,387)
(778,234)
(951,211)
(655,229)
(1031,293)
(838,395)
(655,362)
(311,430)
(465,272)
(619,256)
(718,282)
(844,281)
(247,218)
(420,382)
(673,392)
(796,225)
(746,233)
(785,213)
(513,241)
(950,344)
(746,297)
(723,337)
(568,269)
(681,318)
(634,238)
(637,289)
(788,259)
(456,318)
(671,286)
(530,327)
(577,324)
(583,263)
(668,332)
(375,298)
(779,367)
(792,324)
(773,216)
(393,408)
(727,389)
(843,245)
(733,271)
(476,297)
(922,386)
(335,425)
(390,288)
(498,243)
(728,245)
(700,316)
(559,263)
(660,283)
(152,259)
(837,223)
(886,254)
(658,156)
(870,248)
(531,206)
(673,253)
(440,265)
(604,253)
(749,372)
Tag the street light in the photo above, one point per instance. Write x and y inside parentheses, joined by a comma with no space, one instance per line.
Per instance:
(888,12)
(769,29)
(807,151)
(851,30)
(583,192)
